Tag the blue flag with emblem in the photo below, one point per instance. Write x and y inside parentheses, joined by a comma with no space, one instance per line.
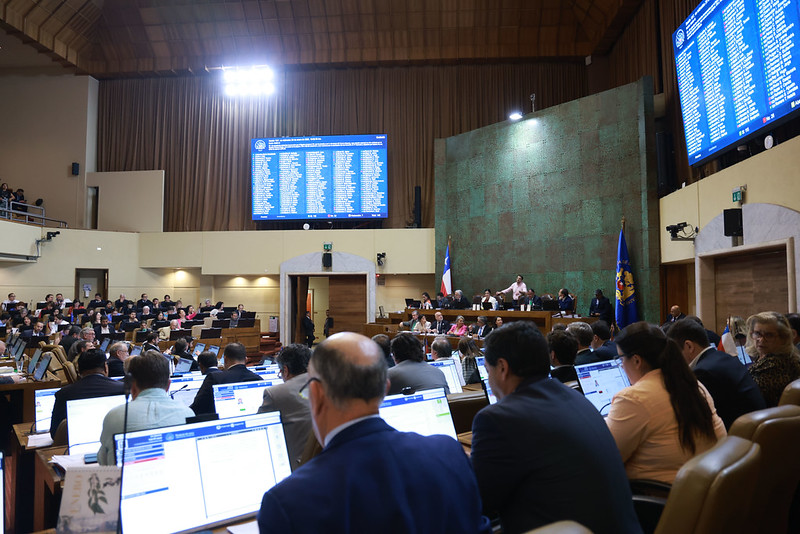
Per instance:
(626,312)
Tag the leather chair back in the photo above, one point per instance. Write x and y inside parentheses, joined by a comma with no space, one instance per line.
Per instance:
(712,491)
(69,371)
(777,432)
(791,394)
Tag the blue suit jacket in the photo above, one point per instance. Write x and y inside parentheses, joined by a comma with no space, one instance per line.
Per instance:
(544,454)
(733,389)
(372,478)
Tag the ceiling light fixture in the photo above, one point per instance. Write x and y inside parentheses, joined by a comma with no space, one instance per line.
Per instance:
(252,81)
(515,116)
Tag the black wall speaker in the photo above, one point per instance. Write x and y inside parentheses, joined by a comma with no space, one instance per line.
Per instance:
(665,161)
(327,259)
(76,169)
(732,219)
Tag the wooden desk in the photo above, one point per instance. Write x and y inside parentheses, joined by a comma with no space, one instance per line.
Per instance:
(47,487)
(543,319)
(19,481)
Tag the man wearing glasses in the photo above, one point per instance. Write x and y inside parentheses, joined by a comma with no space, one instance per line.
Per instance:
(369,477)
(285,398)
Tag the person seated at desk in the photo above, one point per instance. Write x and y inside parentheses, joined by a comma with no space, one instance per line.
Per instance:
(117,354)
(440,325)
(441,350)
(411,370)
(157,304)
(542,453)
(191,313)
(151,342)
(482,329)
(427,303)
(442,302)
(565,301)
(563,347)
(206,306)
(518,289)
(56,320)
(460,302)
(151,407)
(531,299)
(601,307)
(488,302)
(131,318)
(285,398)
(104,327)
(498,322)
(70,337)
(370,477)
(144,302)
(385,343)
(164,332)
(235,371)
(604,349)
(122,302)
(146,313)
(94,382)
(77,349)
(98,302)
(207,362)
(584,335)
(167,303)
(665,417)
(234,320)
(10,302)
(459,328)
(775,358)
(422,326)
(412,323)
(179,350)
(468,352)
(37,330)
(25,325)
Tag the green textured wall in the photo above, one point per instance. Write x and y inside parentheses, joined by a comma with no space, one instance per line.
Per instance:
(544,197)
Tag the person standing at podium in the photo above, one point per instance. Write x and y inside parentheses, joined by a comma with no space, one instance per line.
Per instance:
(518,289)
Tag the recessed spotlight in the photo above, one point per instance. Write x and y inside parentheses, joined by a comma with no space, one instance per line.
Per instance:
(515,116)
(99,248)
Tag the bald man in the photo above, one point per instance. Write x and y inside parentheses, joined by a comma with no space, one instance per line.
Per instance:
(369,477)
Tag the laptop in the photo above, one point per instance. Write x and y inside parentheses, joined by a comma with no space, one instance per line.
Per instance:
(240,398)
(85,422)
(267,372)
(41,368)
(448,367)
(600,381)
(192,465)
(198,348)
(488,390)
(136,350)
(481,361)
(184,388)
(214,349)
(33,361)
(425,412)
(44,399)
(411,303)
(184,366)
(104,344)
(246,323)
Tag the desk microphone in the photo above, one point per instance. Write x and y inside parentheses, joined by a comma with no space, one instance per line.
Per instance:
(172,395)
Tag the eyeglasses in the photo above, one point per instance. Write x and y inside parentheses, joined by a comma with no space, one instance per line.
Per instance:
(756,334)
(304,392)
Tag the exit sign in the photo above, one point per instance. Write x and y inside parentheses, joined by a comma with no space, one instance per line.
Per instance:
(737,196)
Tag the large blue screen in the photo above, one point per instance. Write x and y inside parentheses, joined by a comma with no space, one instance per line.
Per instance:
(332,177)
(737,71)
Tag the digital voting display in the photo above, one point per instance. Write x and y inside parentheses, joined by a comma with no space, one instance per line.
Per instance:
(737,71)
(324,177)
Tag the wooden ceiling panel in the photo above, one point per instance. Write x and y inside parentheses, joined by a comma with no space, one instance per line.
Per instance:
(182,35)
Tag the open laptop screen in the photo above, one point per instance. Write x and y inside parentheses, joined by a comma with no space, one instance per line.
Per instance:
(448,367)
(488,389)
(41,367)
(425,412)
(44,400)
(34,360)
(481,361)
(85,422)
(202,468)
(600,381)
(241,398)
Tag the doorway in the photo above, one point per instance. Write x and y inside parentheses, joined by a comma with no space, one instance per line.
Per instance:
(346,299)
(91,281)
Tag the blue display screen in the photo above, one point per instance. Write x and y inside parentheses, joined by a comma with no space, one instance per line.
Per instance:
(737,71)
(333,177)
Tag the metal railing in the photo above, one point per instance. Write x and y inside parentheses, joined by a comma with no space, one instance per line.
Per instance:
(28,213)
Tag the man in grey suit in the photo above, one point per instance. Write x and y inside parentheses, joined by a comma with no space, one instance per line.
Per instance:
(411,371)
(285,398)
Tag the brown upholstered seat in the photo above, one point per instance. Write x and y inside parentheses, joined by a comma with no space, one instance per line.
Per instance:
(712,491)
(791,394)
(777,432)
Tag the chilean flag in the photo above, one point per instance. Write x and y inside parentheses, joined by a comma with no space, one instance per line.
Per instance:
(447,279)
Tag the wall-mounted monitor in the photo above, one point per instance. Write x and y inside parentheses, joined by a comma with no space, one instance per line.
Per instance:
(737,72)
(319,177)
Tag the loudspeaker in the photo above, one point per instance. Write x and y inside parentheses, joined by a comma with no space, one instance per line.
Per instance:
(327,259)
(417,206)
(732,219)
(76,169)
(665,164)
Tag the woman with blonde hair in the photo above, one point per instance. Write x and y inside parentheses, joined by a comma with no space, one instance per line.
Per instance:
(776,359)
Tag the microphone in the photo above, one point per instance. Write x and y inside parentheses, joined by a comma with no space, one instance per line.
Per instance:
(172,395)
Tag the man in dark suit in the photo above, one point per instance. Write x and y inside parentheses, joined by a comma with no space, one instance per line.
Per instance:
(583,334)
(674,315)
(207,362)
(562,347)
(726,379)
(144,301)
(70,337)
(104,327)
(460,302)
(235,371)
(122,303)
(94,382)
(604,349)
(531,299)
(398,472)
(543,453)
(117,354)
(482,328)
(308,329)
(411,371)
(601,307)
(440,325)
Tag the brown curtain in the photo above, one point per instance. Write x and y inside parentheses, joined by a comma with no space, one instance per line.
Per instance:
(201,138)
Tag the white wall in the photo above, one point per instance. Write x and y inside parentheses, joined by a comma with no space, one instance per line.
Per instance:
(130,201)
(49,122)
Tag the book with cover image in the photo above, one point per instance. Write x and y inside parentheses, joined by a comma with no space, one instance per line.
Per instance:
(90,500)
